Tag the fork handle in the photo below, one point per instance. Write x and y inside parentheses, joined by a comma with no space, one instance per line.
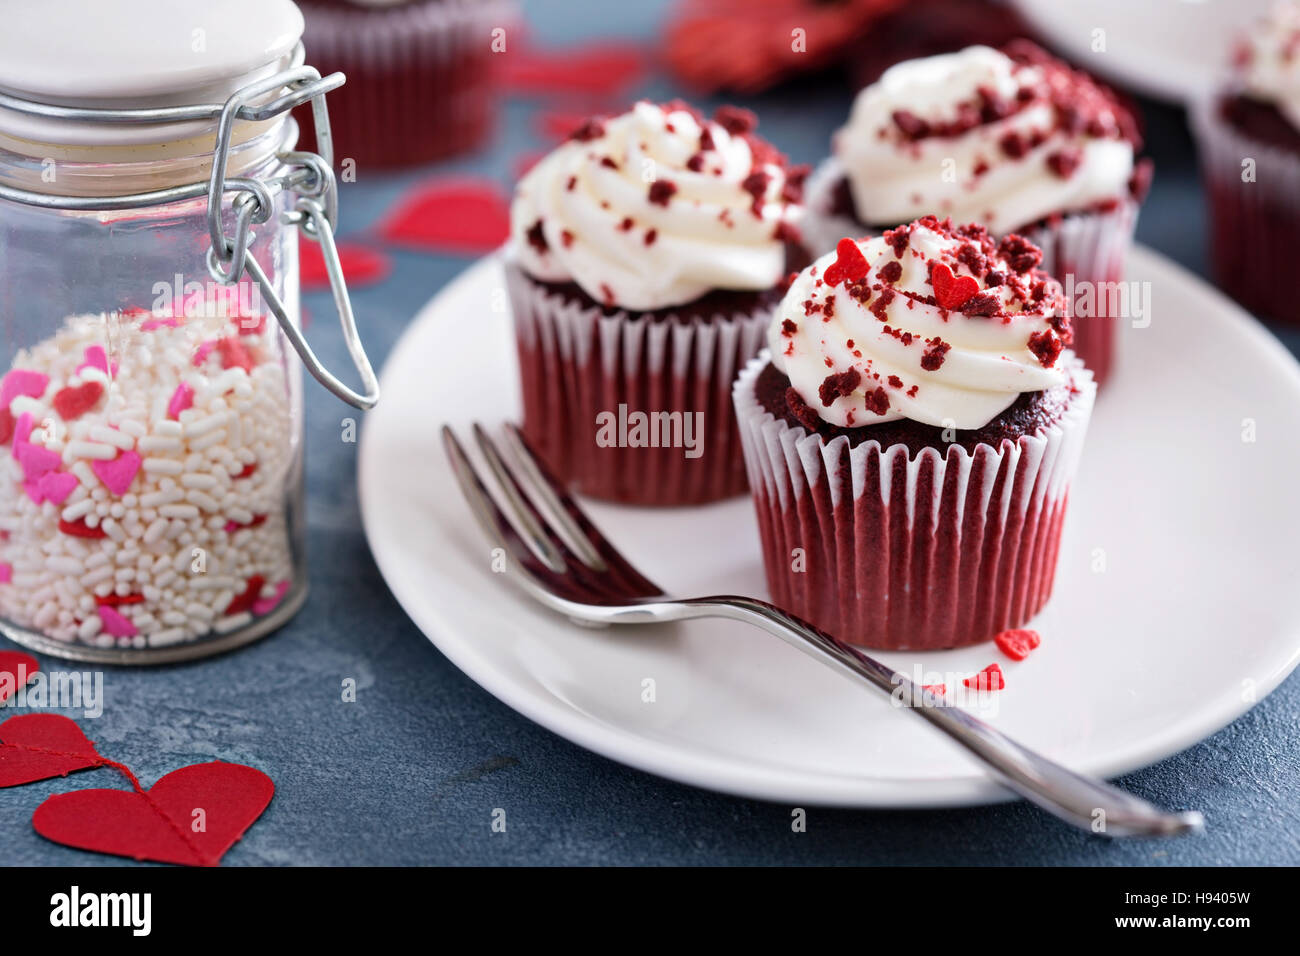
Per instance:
(1086,802)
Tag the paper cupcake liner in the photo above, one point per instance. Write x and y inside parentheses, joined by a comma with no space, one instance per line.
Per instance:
(1086,252)
(421,76)
(1254,225)
(585,376)
(1091,247)
(900,553)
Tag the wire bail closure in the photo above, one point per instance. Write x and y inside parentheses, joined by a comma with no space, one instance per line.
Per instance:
(310,176)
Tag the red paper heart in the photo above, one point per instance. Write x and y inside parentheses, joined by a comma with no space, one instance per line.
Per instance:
(159,824)
(39,746)
(463,216)
(361,265)
(12,665)
(73,402)
(950,291)
(595,68)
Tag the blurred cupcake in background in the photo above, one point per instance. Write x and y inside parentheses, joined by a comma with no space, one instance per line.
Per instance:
(646,256)
(1249,139)
(1011,138)
(422,76)
(911,436)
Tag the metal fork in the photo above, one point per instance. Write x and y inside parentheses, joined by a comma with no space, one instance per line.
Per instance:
(565,563)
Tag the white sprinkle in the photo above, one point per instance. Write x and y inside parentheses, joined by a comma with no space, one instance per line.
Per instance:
(112,436)
(179,511)
(163,466)
(89,449)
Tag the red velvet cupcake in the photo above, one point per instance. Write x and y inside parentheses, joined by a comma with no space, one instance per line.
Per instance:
(911,436)
(647,254)
(1249,139)
(422,75)
(1013,139)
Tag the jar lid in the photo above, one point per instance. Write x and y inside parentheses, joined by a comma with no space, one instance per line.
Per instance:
(135,54)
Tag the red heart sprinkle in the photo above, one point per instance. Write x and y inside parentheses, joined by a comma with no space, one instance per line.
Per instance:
(1017,643)
(233,353)
(990,678)
(162,823)
(39,746)
(850,264)
(16,669)
(243,602)
(79,529)
(73,402)
(950,291)
(6,426)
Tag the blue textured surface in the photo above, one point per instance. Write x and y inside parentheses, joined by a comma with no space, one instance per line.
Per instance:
(410,773)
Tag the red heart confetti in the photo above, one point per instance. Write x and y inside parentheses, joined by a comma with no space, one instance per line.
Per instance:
(850,264)
(16,669)
(459,216)
(1017,643)
(6,426)
(950,291)
(39,746)
(608,68)
(361,265)
(990,678)
(192,816)
(73,402)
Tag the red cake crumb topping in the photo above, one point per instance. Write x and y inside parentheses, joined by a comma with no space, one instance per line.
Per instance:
(661,190)
(756,185)
(650,236)
(1021,254)
(1017,643)
(537,238)
(1046,346)
(839,384)
(735,120)
(788,328)
(593,128)
(891,272)
(877,401)
(990,678)
(933,357)
(626,224)
(566,238)
(1064,162)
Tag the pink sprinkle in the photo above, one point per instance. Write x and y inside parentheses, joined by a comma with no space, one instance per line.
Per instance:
(56,486)
(35,460)
(96,357)
(33,489)
(267,605)
(6,572)
(21,381)
(22,431)
(115,623)
(181,399)
(118,473)
(201,353)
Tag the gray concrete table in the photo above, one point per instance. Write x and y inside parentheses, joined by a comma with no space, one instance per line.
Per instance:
(410,772)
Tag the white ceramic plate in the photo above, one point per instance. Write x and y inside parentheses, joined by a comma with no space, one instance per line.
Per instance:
(1174,609)
(1170,49)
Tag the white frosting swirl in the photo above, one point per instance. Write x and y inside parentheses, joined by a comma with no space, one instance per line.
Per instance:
(1269,60)
(967,173)
(903,354)
(715,226)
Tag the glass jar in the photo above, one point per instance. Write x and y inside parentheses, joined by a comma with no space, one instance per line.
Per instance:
(151,406)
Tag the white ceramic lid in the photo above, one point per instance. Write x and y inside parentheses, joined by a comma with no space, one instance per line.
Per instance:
(135,53)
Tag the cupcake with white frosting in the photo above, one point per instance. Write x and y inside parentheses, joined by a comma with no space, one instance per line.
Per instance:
(911,435)
(1013,139)
(646,256)
(1248,132)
